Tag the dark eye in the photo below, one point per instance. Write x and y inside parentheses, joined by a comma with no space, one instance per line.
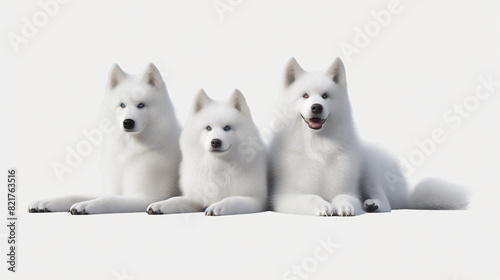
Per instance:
(305,95)
(227,128)
(208,128)
(122,105)
(141,105)
(325,96)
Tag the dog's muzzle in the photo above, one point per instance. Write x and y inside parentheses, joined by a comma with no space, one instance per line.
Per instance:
(217,145)
(315,123)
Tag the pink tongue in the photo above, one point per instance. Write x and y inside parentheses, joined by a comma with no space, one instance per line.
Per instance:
(315,122)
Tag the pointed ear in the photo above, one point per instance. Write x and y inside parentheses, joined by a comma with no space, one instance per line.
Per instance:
(239,102)
(337,72)
(152,77)
(116,75)
(292,71)
(201,101)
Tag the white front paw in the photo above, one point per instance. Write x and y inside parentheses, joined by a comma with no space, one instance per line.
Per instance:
(173,205)
(88,207)
(78,209)
(323,208)
(39,206)
(218,209)
(49,205)
(162,207)
(344,209)
(347,205)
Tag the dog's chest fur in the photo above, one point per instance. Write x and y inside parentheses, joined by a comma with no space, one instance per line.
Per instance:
(319,166)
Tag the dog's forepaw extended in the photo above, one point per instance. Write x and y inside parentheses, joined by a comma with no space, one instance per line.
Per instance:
(344,209)
(370,205)
(75,211)
(86,207)
(38,210)
(324,209)
(41,206)
(154,209)
(211,211)
(216,209)
(170,206)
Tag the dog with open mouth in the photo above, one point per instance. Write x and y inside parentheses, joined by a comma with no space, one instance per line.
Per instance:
(320,167)
(314,157)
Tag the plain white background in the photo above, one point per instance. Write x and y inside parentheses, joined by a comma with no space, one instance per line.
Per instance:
(422,63)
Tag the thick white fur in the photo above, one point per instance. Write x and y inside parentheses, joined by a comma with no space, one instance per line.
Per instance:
(329,171)
(383,184)
(221,183)
(139,166)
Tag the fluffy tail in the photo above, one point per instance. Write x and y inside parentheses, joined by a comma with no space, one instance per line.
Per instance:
(436,194)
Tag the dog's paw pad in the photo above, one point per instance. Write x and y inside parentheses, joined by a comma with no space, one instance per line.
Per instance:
(370,205)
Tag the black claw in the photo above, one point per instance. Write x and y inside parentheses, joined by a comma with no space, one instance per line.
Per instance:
(33,210)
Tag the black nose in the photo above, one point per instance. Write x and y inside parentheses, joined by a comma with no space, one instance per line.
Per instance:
(317,108)
(216,143)
(128,124)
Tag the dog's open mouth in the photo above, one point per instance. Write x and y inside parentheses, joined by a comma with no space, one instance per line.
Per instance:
(314,123)
(220,151)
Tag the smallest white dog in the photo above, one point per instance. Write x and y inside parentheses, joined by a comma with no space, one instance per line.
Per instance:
(223,169)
